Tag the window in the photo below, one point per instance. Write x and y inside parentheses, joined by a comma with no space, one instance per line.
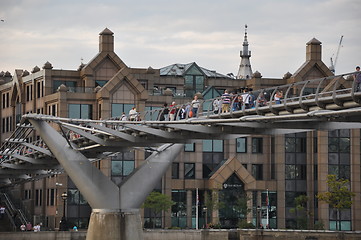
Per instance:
(257,171)
(29,92)
(212,145)
(80,111)
(144,83)
(38,197)
(241,145)
(119,108)
(212,156)
(51,197)
(6,100)
(339,153)
(296,143)
(122,166)
(189,170)
(39,89)
(175,170)
(179,209)
(189,147)
(194,81)
(100,83)
(52,109)
(257,145)
(7,124)
(71,85)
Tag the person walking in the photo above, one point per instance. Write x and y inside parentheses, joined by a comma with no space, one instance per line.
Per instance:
(357,78)
(195,105)
(226,101)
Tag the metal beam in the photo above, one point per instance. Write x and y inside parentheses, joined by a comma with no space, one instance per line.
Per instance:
(153,131)
(196,128)
(122,135)
(38,149)
(99,190)
(135,189)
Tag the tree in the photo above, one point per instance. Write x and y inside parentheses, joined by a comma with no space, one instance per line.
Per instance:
(158,202)
(242,208)
(303,215)
(338,196)
(212,203)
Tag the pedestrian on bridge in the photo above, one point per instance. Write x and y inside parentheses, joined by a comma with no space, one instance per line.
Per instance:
(226,101)
(357,78)
(195,104)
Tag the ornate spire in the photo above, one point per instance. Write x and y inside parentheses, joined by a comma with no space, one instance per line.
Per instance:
(245,70)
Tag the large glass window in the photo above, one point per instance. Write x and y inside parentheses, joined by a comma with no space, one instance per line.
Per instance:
(119,108)
(339,153)
(212,145)
(80,111)
(194,81)
(212,156)
(179,209)
(234,199)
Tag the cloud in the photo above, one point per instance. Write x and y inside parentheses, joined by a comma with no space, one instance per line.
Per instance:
(161,33)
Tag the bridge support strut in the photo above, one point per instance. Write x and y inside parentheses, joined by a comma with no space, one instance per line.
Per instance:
(115,214)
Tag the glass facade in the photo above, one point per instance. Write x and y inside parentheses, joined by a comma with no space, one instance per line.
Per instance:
(339,144)
(295,176)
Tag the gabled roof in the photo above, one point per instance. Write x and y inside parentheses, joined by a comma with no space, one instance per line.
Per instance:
(180,70)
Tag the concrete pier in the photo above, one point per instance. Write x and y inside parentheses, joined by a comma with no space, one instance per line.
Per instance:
(115,225)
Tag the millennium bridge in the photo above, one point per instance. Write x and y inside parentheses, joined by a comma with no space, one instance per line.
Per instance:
(70,145)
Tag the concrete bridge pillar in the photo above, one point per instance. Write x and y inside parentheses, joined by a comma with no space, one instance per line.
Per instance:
(108,224)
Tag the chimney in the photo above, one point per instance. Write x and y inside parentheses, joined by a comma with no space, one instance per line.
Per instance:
(106,41)
(313,50)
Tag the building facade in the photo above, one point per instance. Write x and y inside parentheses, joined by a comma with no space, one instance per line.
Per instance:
(268,171)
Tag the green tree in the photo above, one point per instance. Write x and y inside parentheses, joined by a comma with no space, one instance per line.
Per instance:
(339,196)
(158,202)
(303,215)
(212,203)
(242,207)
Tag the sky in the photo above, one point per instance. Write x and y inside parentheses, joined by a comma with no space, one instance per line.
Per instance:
(159,33)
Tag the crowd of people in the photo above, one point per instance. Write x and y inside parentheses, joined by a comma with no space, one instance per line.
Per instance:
(223,104)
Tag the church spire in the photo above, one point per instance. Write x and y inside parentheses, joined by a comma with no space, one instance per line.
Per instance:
(245,70)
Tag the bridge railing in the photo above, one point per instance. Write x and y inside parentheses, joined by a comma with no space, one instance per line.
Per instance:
(302,95)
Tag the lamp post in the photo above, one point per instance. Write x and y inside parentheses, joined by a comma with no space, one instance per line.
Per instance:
(205,217)
(258,219)
(63,224)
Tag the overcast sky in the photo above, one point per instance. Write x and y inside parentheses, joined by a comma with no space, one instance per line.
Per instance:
(158,33)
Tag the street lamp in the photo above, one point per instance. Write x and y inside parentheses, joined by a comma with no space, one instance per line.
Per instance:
(63,224)
(205,217)
(258,219)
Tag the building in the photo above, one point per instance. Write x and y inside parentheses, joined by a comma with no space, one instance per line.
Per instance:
(270,170)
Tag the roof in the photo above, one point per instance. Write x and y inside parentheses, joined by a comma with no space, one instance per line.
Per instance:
(180,69)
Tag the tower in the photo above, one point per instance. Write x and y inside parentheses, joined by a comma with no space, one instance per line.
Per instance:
(245,70)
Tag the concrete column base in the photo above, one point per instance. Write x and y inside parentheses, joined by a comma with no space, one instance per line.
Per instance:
(108,224)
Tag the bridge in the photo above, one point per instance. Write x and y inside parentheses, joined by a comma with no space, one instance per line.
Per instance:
(72,144)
